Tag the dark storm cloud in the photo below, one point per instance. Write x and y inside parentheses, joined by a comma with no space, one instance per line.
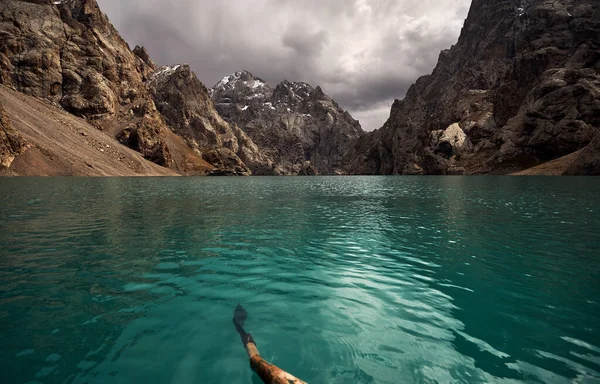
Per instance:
(304,43)
(364,53)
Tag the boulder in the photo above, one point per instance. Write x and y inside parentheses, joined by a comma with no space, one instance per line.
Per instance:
(451,141)
(11,142)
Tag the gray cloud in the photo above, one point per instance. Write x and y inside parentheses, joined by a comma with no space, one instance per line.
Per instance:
(363,53)
(304,43)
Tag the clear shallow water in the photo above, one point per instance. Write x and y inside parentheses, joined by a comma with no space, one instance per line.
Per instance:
(346,280)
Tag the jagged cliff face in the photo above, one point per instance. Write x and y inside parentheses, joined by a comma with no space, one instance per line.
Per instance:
(521,86)
(297,128)
(68,53)
(187,107)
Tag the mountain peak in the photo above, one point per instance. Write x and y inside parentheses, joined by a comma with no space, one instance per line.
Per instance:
(243,78)
(288,92)
(240,87)
(141,52)
(296,125)
(245,75)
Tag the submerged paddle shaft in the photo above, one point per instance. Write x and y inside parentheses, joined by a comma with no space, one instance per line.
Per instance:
(269,373)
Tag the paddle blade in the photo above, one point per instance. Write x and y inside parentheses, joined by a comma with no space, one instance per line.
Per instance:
(239,316)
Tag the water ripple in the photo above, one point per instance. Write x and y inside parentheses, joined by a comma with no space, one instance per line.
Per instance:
(346,280)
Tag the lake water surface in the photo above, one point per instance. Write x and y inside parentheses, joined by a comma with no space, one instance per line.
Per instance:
(346,279)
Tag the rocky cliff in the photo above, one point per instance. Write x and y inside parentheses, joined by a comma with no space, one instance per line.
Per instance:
(68,53)
(187,107)
(297,128)
(521,87)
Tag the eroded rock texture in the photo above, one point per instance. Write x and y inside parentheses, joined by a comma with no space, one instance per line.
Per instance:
(67,52)
(11,143)
(521,87)
(187,107)
(298,129)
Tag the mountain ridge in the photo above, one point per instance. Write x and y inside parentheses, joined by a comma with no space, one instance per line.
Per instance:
(520,88)
(297,126)
(68,53)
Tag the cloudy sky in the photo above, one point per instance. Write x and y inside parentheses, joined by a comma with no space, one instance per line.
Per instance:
(363,53)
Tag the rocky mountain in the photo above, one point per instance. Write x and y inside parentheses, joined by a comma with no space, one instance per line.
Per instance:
(69,54)
(187,107)
(297,128)
(521,87)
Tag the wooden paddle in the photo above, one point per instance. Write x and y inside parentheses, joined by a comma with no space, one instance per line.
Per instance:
(269,373)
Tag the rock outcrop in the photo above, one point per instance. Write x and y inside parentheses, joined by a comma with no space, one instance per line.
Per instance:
(44,140)
(521,87)
(11,142)
(68,53)
(298,129)
(587,163)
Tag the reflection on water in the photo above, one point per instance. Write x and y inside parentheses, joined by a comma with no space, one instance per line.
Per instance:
(346,280)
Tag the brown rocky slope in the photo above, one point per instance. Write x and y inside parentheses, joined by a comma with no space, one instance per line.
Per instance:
(67,52)
(43,140)
(521,87)
(11,141)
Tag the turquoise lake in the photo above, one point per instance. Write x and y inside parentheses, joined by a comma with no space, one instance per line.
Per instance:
(345,279)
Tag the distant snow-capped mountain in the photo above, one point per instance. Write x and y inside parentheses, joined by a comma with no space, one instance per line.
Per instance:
(300,128)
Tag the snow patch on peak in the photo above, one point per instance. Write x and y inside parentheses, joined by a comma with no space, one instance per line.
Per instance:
(224,81)
(258,84)
(229,80)
(241,77)
(302,84)
(165,71)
